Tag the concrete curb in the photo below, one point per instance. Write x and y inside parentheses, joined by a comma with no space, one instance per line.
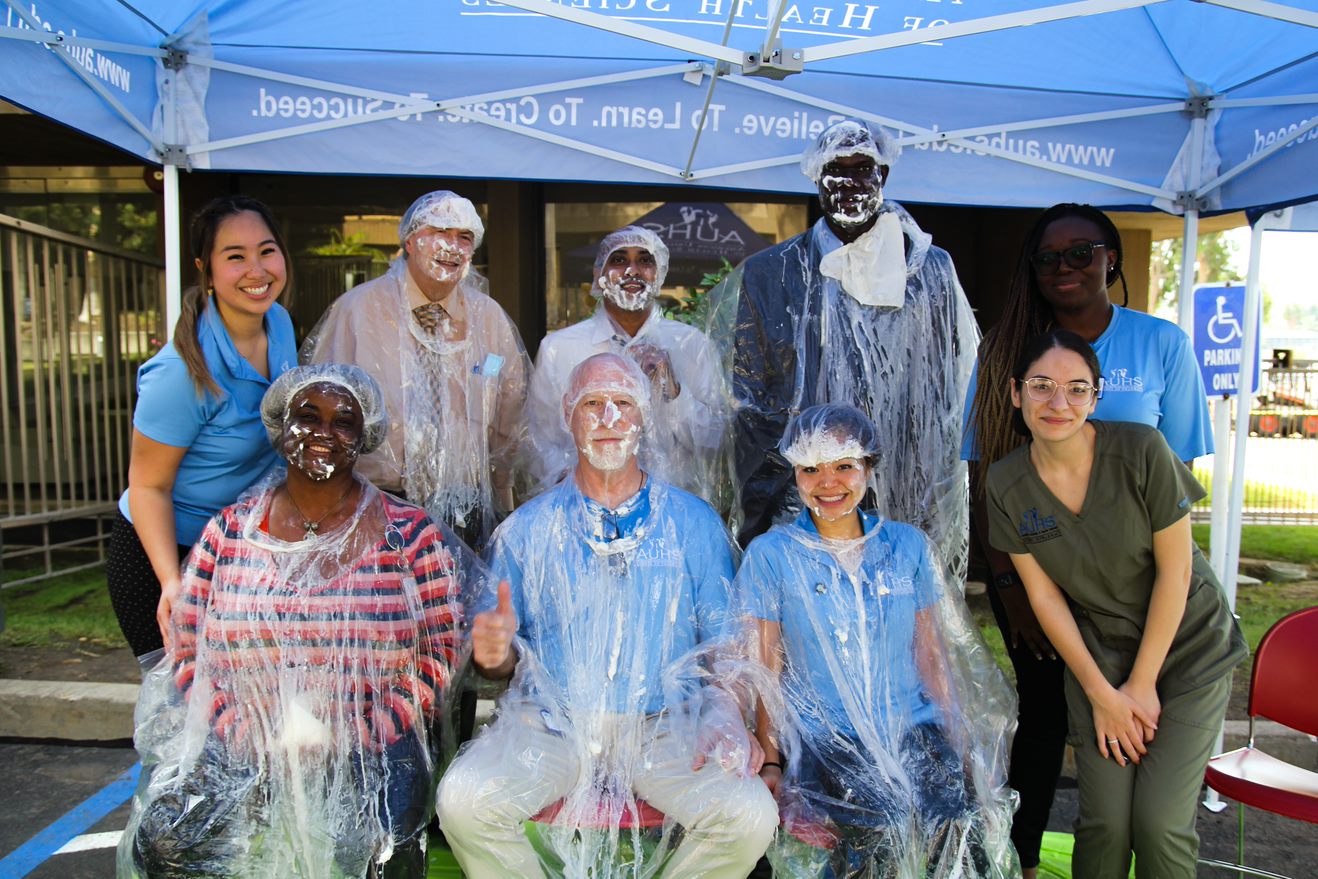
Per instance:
(88,712)
(68,710)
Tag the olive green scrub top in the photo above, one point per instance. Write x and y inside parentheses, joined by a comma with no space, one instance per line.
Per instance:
(1102,559)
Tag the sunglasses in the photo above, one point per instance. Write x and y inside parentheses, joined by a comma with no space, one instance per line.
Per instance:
(1046,262)
(1041,390)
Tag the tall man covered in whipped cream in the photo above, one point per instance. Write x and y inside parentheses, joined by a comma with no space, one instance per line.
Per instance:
(859,309)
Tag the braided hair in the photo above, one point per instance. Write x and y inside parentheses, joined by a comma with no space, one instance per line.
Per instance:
(1025,315)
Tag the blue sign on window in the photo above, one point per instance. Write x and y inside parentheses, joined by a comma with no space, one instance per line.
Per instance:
(1219,336)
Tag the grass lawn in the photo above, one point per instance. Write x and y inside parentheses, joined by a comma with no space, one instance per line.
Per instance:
(64,611)
(1286,543)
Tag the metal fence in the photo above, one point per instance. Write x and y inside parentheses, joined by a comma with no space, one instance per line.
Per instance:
(77,318)
(1281,457)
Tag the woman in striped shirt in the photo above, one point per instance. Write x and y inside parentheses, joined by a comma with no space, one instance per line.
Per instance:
(311,648)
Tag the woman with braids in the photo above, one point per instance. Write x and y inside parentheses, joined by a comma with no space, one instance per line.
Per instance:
(1071,258)
(197,434)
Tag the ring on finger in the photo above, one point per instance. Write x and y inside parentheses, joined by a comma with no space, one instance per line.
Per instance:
(1114,741)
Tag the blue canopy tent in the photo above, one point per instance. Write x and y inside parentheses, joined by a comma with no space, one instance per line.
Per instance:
(1187,106)
(1173,104)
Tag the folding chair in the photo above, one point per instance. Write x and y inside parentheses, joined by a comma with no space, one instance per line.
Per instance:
(1280,689)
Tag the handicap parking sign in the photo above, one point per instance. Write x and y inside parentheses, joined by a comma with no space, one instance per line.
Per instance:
(1219,336)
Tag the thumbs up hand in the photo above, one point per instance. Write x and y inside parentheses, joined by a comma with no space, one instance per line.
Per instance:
(492,637)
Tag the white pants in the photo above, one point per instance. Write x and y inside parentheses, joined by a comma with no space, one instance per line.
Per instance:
(520,765)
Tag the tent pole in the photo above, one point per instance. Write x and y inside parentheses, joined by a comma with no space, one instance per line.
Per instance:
(172,218)
(1190,238)
(1249,356)
(173,266)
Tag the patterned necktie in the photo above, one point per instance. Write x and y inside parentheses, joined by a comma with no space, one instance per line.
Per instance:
(429,316)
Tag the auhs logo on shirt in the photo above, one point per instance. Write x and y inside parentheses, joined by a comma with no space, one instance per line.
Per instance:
(1121,380)
(1035,528)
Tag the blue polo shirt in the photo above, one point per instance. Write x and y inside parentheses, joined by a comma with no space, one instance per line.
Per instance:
(1149,377)
(227,446)
(848,643)
(608,600)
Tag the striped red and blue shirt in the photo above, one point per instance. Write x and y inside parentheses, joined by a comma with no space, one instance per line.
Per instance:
(367,643)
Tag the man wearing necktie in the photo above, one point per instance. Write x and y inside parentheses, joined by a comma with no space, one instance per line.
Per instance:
(450,363)
(859,309)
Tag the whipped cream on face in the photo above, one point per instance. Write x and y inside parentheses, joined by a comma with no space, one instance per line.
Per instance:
(612,456)
(855,211)
(296,445)
(435,252)
(611,284)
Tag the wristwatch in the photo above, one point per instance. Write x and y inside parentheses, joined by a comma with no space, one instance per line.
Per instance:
(1008,580)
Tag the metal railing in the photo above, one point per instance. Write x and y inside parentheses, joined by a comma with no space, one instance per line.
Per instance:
(1281,456)
(77,317)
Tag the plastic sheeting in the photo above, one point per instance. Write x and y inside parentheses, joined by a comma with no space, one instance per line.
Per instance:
(619,616)
(454,393)
(892,719)
(795,338)
(290,730)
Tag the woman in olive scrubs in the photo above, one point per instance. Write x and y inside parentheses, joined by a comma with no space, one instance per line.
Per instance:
(1095,517)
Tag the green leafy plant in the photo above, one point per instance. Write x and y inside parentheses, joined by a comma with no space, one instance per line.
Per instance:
(693,309)
(348,245)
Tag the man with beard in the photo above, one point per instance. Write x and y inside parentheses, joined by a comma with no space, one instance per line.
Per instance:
(686,385)
(860,309)
(615,594)
(450,362)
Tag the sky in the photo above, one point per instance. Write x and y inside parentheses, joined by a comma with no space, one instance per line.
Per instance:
(1286,272)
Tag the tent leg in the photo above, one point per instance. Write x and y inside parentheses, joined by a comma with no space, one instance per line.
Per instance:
(1249,356)
(1189,259)
(173,259)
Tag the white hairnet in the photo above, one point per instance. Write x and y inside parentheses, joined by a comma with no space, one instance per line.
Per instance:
(442,210)
(633,236)
(829,432)
(353,379)
(623,376)
(849,137)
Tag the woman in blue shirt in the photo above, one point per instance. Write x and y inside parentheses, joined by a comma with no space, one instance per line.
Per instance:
(198,439)
(887,726)
(1070,260)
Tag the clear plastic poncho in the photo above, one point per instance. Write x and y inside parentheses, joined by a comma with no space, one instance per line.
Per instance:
(293,728)
(587,769)
(892,720)
(454,393)
(793,338)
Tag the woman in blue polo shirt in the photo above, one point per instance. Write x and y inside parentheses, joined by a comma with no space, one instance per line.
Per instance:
(888,727)
(1070,260)
(198,439)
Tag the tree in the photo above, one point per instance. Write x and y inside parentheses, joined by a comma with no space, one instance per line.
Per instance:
(1214,263)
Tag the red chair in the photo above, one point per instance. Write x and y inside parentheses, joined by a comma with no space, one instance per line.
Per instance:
(1280,689)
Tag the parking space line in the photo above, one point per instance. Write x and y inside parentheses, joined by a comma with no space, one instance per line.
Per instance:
(31,854)
(91,841)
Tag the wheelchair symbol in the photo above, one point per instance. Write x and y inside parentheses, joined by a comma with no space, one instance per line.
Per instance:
(1223,326)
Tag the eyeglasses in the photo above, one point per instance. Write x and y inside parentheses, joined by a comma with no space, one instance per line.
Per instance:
(1046,262)
(1041,390)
